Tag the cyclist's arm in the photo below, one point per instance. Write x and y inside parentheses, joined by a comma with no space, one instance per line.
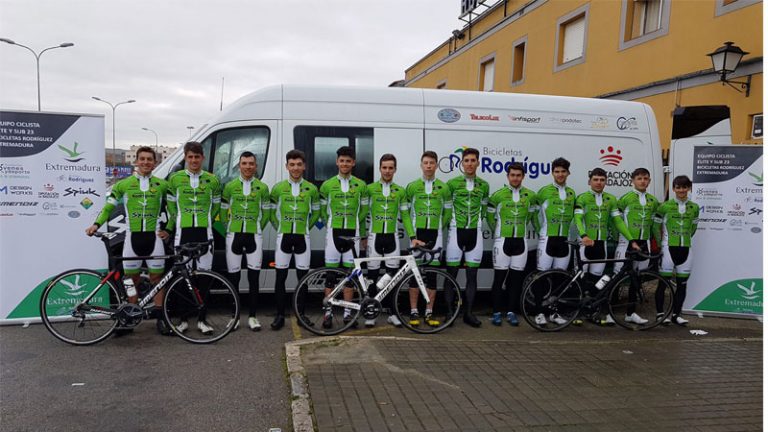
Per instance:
(695,221)
(658,220)
(315,209)
(618,223)
(266,208)
(216,199)
(484,202)
(171,206)
(490,213)
(533,213)
(405,212)
(274,198)
(323,197)
(578,217)
(224,214)
(362,212)
(447,206)
(112,200)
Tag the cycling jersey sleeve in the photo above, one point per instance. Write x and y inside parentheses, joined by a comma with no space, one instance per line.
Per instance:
(170,199)
(274,198)
(112,200)
(226,195)
(447,206)
(484,201)
(315,209)
(323,200)
(578,215)
(215,198)
(695,221)
(658,220)
(405,214)
(618,221)
(266,208)
(362,212)
(490,212)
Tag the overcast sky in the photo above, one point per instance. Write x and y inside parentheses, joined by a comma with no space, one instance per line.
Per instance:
(170,56)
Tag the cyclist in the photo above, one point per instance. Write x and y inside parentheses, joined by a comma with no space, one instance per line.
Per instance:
(142,197)
(194,199)
(594,213)
(510,210)
(245,210)
(638,208)
(387,203)
(469,198)
(675,224)
(296,209)
(555,207)
(429,206)
(343,207)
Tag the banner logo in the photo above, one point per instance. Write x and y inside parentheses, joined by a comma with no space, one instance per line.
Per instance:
(448,115)
(758,179)
(73,154)
(86,203)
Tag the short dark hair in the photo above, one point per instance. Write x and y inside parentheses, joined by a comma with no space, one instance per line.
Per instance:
(470,151)
(387,157)
(295,154)
(193,147)
(562,163)
(598,172)
(430,154)
(517,166)
(345,151)
(640,171)
(146,149)
(247,154)
(682,181)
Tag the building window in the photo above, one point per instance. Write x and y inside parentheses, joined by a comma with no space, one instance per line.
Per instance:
(518,60)
(722,7)
(643,20)
(756,126)
(571,40)
(487,69)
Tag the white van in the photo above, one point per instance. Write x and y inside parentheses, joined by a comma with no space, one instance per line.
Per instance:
(618,136)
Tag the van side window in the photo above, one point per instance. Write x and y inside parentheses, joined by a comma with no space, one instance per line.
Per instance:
(320,143)
(231,143)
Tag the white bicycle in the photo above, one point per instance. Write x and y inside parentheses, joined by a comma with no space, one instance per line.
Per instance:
(328,301)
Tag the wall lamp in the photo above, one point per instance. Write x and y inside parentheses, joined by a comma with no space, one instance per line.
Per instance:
(725,60)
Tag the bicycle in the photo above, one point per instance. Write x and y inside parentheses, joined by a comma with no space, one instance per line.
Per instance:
(83,307)
(553,299)
(329,301)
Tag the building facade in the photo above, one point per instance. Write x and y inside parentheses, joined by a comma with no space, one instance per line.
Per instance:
(651,51)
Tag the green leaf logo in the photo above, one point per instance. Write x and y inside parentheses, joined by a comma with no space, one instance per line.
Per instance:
(758,179)
(73,153)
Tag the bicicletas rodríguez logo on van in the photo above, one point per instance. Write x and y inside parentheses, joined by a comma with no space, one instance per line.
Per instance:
(448,115)
(492,165)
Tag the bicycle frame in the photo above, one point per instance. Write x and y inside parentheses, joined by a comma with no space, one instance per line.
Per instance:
(410,266)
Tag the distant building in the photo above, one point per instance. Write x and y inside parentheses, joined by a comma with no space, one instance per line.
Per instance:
(118,157)
(162,153)
(651,51)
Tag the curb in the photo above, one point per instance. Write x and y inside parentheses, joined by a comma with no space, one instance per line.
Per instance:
(301,410)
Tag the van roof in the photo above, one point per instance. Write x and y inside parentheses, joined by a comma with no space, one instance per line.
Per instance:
(273,103)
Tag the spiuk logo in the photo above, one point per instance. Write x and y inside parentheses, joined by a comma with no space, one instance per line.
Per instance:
(610,156)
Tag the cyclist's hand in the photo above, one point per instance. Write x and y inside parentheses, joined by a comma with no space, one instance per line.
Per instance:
(162,234)
(91,230)
(636,246)
(417,243)
(364,243)
(587,241)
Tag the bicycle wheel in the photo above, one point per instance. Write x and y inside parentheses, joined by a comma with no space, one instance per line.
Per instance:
(650,299)
(444,308)
(204,312)
(551,300)
(316,313)
(68,318)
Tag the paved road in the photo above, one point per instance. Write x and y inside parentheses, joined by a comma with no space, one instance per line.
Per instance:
(462,379)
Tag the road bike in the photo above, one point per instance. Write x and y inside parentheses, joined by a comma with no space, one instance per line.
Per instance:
(553,299)
(329,301)
(83,306)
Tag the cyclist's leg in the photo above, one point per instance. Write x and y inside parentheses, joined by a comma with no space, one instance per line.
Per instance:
(682,257)
(372,266)
(621,250)
(132,268)
(471,241)
(560,252)
(427,236)
(501,262)
(302,257)
(518,249)
(234,255)
(283,253)
(544,261)
(157,270)
(253,255)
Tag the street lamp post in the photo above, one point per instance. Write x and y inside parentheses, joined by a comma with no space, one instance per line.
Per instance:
(190,131)
(114,107)
(150,130)
(37,60)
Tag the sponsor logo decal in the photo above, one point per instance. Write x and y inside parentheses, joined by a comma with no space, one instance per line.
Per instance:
(75,179)
(755,211)
(72,153)
(48,192)
(86,203)
(70,191)
(19,203)
(4,190)
(483,117)
(448,115)
(758,179)
(20,190)
(74,214)
(611,156)
(50,206)
(600,123)
(626,123)
(565,120)
(524,119)
(488,164)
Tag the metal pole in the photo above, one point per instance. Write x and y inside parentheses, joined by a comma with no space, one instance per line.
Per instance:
(37,57)
(37,60)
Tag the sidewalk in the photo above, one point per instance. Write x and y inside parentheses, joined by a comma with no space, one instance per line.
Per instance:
(502,379)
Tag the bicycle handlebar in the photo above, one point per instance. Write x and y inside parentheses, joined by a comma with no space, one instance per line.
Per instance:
(631,254)
(426,252)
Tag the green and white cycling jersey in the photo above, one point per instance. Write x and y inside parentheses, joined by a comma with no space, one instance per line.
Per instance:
(638,209)
(469,197)
(344,203)
(193,199)
(142,199)
(509,211)
(678,220)
(295,206)
(387,201)
(245,206)
(595,212)
(429,203)
(556,204)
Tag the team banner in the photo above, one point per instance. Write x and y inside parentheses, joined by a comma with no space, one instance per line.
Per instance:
(51,187)
(728,257)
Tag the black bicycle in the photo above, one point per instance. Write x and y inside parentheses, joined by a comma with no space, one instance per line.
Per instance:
(636,300)
(83,306)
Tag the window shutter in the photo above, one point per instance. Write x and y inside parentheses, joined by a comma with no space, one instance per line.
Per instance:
(573,40)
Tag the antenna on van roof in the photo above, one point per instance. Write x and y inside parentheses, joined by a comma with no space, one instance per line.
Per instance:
(221,104)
